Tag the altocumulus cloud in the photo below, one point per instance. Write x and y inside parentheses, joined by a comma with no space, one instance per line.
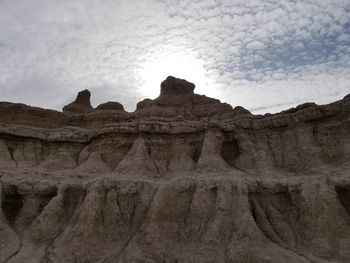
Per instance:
(263,55)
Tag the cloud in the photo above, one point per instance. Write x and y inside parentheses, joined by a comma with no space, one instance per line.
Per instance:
(263,55)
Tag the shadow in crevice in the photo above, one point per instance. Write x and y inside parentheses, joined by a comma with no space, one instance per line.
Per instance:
(344,198)
(45,199)
(230,148)
(21,209)
(12,203)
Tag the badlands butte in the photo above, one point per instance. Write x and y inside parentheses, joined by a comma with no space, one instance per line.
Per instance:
(184,178)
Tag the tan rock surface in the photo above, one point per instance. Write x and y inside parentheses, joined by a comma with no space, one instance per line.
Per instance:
(184,178)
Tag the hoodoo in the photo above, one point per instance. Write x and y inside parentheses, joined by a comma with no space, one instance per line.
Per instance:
(184,178)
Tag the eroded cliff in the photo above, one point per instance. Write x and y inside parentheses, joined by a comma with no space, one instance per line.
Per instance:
(184,178)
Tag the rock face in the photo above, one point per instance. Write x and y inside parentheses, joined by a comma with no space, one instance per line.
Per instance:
(81,104)
(111,105)
(184,178)
(176,87)
(177,99)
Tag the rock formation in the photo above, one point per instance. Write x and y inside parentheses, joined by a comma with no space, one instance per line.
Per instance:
(111,105)
(184,178)
(177,99)
(81,104)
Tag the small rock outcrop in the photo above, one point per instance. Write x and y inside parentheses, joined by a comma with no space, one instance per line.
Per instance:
(177,98)
(176,87)
(81,104)
(111,105)
(184,178)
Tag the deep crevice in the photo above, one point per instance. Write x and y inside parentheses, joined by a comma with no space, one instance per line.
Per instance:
(45,199)
(12,203)
(230,148)
(344,198)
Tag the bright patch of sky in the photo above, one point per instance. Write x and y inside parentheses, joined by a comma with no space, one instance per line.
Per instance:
(264,55)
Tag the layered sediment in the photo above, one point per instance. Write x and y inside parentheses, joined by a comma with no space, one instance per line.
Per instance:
(184,178)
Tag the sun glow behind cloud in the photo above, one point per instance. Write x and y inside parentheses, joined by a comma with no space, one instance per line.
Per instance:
(263,55)
(182,64)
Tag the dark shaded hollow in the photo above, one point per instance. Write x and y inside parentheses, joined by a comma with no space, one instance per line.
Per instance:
(45,199)
(12,204)
(197,144)
(344,197)
(230,148)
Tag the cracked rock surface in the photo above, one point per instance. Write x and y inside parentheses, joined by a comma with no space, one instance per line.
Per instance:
(184,178)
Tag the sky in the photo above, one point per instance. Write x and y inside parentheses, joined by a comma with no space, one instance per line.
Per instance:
(264,55)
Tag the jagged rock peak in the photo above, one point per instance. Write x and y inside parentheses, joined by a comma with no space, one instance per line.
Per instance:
(177,98)
(174,87)
(81,104)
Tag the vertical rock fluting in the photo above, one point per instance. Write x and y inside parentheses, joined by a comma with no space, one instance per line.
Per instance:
(210,159)
(137,161)
(184,178)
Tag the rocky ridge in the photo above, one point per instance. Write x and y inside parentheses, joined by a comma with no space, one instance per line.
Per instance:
(184,178)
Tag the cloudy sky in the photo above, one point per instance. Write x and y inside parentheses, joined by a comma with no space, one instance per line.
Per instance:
(266,55)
